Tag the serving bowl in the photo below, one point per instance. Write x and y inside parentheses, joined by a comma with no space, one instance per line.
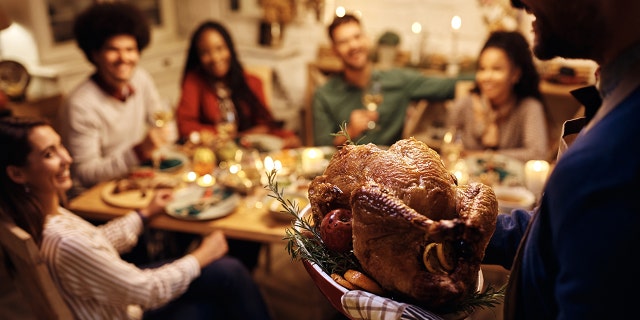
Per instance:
(334,291)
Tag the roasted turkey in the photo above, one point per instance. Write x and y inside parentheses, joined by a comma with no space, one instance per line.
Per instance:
(404,205)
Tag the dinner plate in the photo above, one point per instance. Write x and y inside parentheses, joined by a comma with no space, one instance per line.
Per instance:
(263,142)
(200,203)
(496,169)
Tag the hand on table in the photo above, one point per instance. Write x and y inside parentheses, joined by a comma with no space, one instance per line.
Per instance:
(212,247)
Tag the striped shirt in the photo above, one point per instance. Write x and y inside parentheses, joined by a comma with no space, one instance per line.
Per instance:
(84,261)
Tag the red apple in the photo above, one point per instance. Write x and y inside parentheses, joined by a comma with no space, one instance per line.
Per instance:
(335,230)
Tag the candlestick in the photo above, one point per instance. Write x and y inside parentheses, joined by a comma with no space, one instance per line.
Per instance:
(453,68)
(535,176)
(416,51)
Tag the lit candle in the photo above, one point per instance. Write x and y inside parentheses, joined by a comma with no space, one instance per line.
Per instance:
(190,177)
(312,161)
(456,23)
(453,67)
(268,164)
(206,180)
(416,28)
(535,175)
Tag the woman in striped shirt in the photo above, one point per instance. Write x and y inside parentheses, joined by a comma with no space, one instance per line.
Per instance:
(84,260)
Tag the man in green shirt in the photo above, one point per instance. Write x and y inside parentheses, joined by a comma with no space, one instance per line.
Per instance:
(340,100)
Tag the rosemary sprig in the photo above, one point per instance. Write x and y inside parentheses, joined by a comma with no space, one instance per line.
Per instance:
(490,298)
(304,242)
(303,239)
(343,133)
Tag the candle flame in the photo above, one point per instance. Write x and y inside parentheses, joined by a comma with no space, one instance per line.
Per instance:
(456,23)
(416,27)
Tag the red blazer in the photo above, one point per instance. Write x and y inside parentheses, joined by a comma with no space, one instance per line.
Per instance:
(198,108)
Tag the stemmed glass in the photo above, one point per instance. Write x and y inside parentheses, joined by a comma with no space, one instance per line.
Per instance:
(372,98)
(161,118)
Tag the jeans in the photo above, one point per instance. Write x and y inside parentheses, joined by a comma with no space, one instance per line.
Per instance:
(224,290)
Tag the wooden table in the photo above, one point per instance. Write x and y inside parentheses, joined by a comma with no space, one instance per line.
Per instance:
(250,221)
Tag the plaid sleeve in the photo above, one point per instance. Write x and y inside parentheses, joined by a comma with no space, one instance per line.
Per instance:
(362,305)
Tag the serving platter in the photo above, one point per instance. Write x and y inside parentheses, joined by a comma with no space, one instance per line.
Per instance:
(131,199)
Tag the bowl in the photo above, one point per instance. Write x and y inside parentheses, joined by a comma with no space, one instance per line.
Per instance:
(510,198)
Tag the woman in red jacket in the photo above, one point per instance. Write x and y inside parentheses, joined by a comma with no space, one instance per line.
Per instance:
(218,95)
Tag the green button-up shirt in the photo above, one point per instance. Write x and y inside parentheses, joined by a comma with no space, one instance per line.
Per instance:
(334,101)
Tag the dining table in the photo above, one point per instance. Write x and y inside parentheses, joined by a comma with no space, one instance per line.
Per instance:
(250,220)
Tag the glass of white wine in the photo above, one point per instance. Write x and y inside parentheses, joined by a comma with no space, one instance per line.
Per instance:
(161,118)
(371,99)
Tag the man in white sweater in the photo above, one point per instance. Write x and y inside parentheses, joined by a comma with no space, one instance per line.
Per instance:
(106,121)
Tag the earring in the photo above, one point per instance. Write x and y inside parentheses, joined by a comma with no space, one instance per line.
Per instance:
(26,188)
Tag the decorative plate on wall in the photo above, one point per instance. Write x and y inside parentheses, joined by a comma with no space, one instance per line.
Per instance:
(14,79)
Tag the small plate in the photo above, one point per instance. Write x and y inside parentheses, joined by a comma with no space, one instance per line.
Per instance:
(198,203)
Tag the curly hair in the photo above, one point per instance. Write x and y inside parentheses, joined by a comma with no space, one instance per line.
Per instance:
(101,21)
(517,49)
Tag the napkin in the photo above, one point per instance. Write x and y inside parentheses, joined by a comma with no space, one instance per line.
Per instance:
(362,305)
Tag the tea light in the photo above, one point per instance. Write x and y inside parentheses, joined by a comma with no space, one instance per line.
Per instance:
(535,175)
(206,180)
(189,177)
(312,161)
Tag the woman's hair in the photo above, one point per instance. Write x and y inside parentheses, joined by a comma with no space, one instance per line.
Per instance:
(103,20)
(17,204)
(517,49)
(241,93)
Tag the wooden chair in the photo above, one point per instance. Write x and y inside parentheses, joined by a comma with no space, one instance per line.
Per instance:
(31,275)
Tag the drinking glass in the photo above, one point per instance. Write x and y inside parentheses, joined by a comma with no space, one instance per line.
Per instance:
(371,99)
(160,119)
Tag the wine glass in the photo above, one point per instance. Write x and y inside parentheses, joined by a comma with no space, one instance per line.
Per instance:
(371,99)
(160,119)
(228,127)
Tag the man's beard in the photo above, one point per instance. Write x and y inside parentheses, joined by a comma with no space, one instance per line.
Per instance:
(575,39)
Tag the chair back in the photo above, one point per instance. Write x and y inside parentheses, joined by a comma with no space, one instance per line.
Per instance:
(31,274)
